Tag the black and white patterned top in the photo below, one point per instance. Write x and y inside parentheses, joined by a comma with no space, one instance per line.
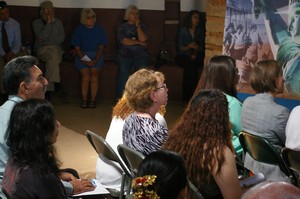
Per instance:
(143,134)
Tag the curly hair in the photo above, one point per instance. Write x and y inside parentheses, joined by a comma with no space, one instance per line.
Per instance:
(139,87)
(122,110)
(263,76)
(220,73)
(31,126)
(201,135)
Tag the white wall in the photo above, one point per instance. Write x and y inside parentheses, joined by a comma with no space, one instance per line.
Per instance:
(142,4)
(187,5)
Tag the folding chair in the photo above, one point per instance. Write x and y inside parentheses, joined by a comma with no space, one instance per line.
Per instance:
(291,159)
(104,149)
(131,158)
(261,150)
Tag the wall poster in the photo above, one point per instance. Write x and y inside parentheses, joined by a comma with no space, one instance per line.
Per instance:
(264,29)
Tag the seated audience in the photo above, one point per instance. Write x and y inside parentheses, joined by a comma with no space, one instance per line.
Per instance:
(262,116)
(273,190)
(107,172)
(32,170)
(132,43)
(190,52)
(162,174)
(49,35)
(145,92)
(10,42)
(23,80)
(221,73)
(89,40)
(202,137)
(292,130)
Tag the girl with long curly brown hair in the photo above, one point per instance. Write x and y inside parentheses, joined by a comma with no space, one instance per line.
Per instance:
(202,137)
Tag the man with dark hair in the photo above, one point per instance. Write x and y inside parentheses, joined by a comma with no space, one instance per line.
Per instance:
(10,42)
(23,80)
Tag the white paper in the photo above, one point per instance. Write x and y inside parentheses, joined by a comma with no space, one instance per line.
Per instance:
(100,189)
(85,58)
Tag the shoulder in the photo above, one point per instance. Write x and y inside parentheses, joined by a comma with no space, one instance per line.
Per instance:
(296,111)
(79,28)
(99,28)
(124,25)
(232,100)
(58,21)
(38,22)
(13,21)
(183,30)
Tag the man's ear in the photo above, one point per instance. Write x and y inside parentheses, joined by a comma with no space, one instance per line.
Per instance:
(23,88)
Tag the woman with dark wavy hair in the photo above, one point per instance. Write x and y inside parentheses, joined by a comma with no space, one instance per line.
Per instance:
(221,73)
(33,169)
(202,137)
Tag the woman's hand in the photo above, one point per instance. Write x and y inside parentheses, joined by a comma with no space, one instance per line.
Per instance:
(193,45)
(80,186)
(137,22)
(90,63)
(66,176)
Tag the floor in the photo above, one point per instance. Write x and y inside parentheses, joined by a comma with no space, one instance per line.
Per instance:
(98,120)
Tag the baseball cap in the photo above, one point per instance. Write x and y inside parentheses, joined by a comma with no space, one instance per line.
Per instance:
(3,5)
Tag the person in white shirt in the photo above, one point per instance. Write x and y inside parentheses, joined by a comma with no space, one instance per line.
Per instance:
(107,172)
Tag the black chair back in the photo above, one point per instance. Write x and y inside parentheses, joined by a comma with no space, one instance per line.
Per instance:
(104,149)
(131,158)
(261,150)
(291,159)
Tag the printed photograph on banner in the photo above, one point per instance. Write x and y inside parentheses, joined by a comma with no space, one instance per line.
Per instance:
(261,30)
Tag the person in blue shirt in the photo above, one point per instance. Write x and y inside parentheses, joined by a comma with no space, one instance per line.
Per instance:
(13,31)
(190,52)
(23,80)
(132,42)
(89,40)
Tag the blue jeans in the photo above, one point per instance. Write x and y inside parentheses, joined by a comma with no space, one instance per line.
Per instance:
(127,65)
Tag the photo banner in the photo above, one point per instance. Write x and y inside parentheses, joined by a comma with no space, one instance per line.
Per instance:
(261,30)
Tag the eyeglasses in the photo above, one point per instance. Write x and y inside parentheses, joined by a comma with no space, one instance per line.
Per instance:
(91,17)
(164,87)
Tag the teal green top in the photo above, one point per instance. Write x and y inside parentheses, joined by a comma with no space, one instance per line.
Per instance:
(235,109)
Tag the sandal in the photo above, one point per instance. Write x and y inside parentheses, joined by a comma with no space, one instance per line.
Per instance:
(92,104)
(83,104)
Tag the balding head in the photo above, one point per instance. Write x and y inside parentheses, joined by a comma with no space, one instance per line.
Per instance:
(273,190)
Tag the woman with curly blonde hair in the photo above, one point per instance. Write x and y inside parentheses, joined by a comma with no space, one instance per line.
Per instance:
(107,172)
(145,92)
(202,137)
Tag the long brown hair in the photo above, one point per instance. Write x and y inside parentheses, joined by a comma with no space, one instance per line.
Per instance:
(219,73)
(201,135)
